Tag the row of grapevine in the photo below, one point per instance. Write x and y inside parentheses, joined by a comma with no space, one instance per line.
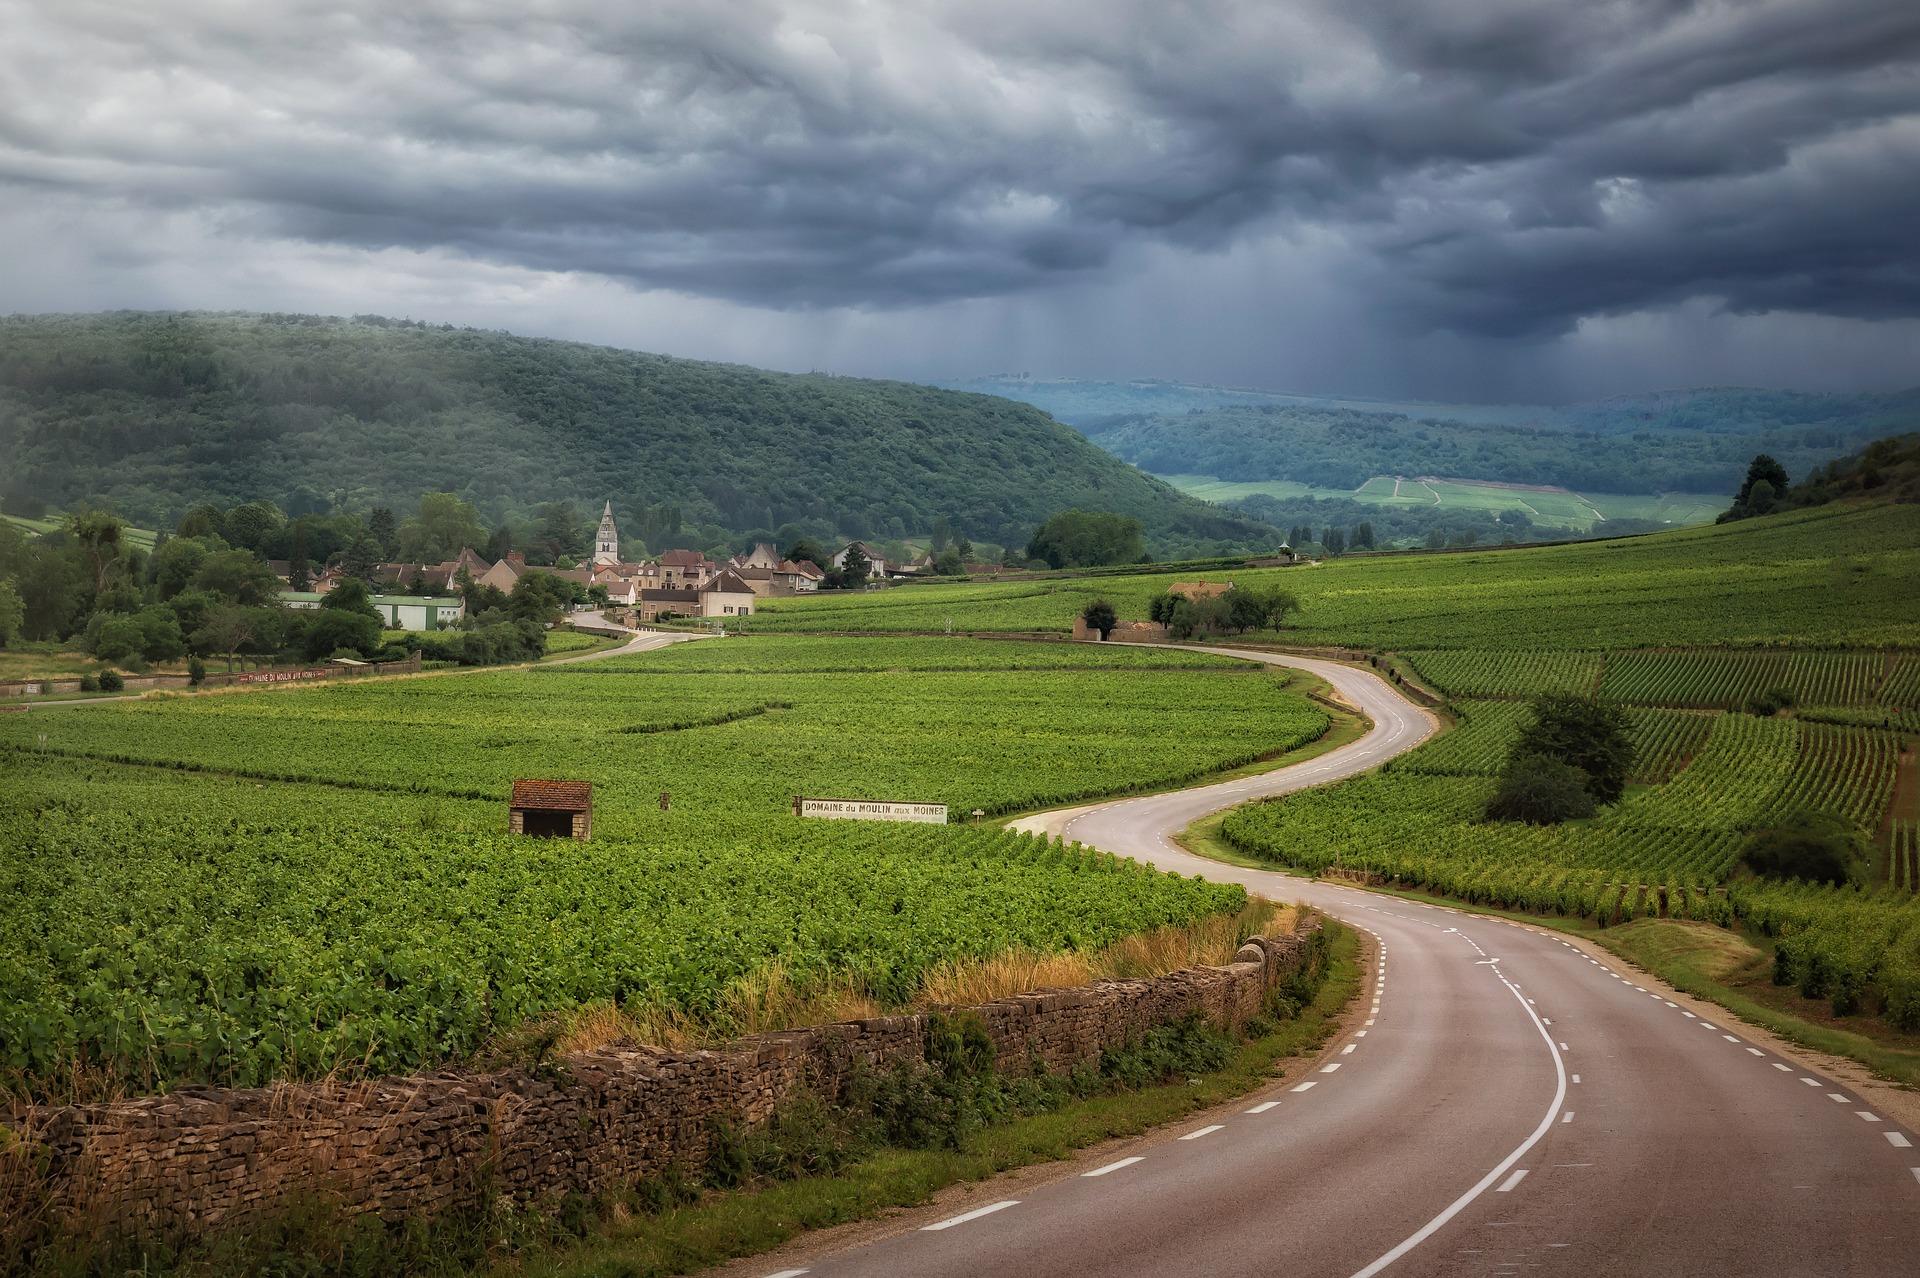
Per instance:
(1728,680)
(1521,673)
(1901,691)
(1903,855)
(1665,741)
(1672,849)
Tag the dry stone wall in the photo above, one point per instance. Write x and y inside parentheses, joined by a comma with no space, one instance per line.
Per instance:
(199,1157)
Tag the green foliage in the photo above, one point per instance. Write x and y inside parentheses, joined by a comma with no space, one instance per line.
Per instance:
(1593,736)
(260,896)
(1085,539)
(1699,447)
(1771,702)
(350,595)
(334,629)
(383,410)
(443,527)
(1540,791)
(1811,579)
(1100,615)
(1816,847)
(239,576)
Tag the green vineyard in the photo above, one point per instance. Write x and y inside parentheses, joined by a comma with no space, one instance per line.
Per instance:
(1669,848)
(304,881)
(1870,683)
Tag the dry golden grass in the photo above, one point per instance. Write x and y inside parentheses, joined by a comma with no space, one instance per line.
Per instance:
(768,999)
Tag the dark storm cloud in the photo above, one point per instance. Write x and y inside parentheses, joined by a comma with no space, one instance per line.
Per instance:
(1511,165)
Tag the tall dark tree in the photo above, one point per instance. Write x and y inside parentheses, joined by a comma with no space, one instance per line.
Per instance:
(1764,468)
(299,570)
(385,531)
(1101,616)
(1587,733)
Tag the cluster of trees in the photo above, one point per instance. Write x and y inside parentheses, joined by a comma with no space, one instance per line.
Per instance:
(1333,540)
(1887,469)
(1572,758)
(153,411)
(1086,539)
(1379,525)
(1239,609)
(207,589)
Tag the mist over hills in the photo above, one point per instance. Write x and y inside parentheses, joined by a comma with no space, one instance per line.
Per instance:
(1671,441)
(149,413)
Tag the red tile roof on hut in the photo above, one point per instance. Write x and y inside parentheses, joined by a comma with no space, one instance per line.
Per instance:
(555,796)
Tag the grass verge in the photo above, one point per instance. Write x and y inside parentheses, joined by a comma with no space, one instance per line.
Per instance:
(1672,950)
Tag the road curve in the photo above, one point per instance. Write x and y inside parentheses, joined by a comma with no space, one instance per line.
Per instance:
(1508,1105)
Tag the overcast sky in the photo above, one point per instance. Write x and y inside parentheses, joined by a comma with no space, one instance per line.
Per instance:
(1465,199)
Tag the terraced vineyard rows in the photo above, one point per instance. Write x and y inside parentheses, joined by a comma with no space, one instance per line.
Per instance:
(1671,847)
(1525,673)
(1727,680)
(1903,855)
(1664,741)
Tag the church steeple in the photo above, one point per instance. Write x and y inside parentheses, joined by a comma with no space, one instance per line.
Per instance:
(606,544)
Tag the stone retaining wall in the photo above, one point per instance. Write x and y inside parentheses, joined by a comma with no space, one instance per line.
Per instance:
(403,1146)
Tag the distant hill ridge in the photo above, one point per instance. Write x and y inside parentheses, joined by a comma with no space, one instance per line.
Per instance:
(150,412)
(1662,441)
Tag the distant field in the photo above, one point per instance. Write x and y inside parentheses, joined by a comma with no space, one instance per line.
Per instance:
(1829,577)
(140,538)
(1558,507)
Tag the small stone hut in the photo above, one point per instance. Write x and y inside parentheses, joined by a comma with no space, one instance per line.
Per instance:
(551,809)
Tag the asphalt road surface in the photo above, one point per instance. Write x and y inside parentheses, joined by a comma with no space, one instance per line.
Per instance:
(1508,1105)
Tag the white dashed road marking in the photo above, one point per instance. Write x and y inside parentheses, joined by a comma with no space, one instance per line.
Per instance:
(1204,1131)
(975,1214)
(1114,1167)
(1263,1107)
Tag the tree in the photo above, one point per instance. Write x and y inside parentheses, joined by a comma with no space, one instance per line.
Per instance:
(1436,538)
(99,537)
(1100,615)
(855,567)
(560,531)
(1811,846)
(443,527)
(1587,733)
(1540,791)
(351,595)
(1084,539)
(227,629)
(254,526)
(942,534)
(361,559)
(335,628)
(13,612)
(238,575)
(807,550)
(160,635)
(115,638)
(385,531)
(1763,469)
(1362,536)
(174,565)
(203,520)
(948,562)
(541,597)
(1161,607)
(1334,540)
(299,574)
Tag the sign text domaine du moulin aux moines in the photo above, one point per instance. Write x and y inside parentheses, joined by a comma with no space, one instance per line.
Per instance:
(870,810)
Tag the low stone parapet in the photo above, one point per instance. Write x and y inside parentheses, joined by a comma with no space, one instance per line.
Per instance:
(200,1156)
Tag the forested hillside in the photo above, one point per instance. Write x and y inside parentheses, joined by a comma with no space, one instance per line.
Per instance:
(1696,441)
(1675,449)
(149,413)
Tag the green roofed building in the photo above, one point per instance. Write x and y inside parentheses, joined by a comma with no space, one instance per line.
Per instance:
(397,612)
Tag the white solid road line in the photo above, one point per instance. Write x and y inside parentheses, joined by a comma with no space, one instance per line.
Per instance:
(1263,1107)
(975,1214)
(1205,1131)
(1511,1181)
(1114,1167)
(1459,1204)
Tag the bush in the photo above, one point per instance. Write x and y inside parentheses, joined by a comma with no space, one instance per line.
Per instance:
(1771,702)
(1812,847)
(110,681)
(1540,791)
(196,671)
(89,684)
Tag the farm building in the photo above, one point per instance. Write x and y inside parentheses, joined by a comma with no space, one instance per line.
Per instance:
(551,809)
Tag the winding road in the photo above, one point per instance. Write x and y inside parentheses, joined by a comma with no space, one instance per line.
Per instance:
(1510,1103)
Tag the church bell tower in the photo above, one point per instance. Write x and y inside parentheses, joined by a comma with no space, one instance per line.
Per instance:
(606,543)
